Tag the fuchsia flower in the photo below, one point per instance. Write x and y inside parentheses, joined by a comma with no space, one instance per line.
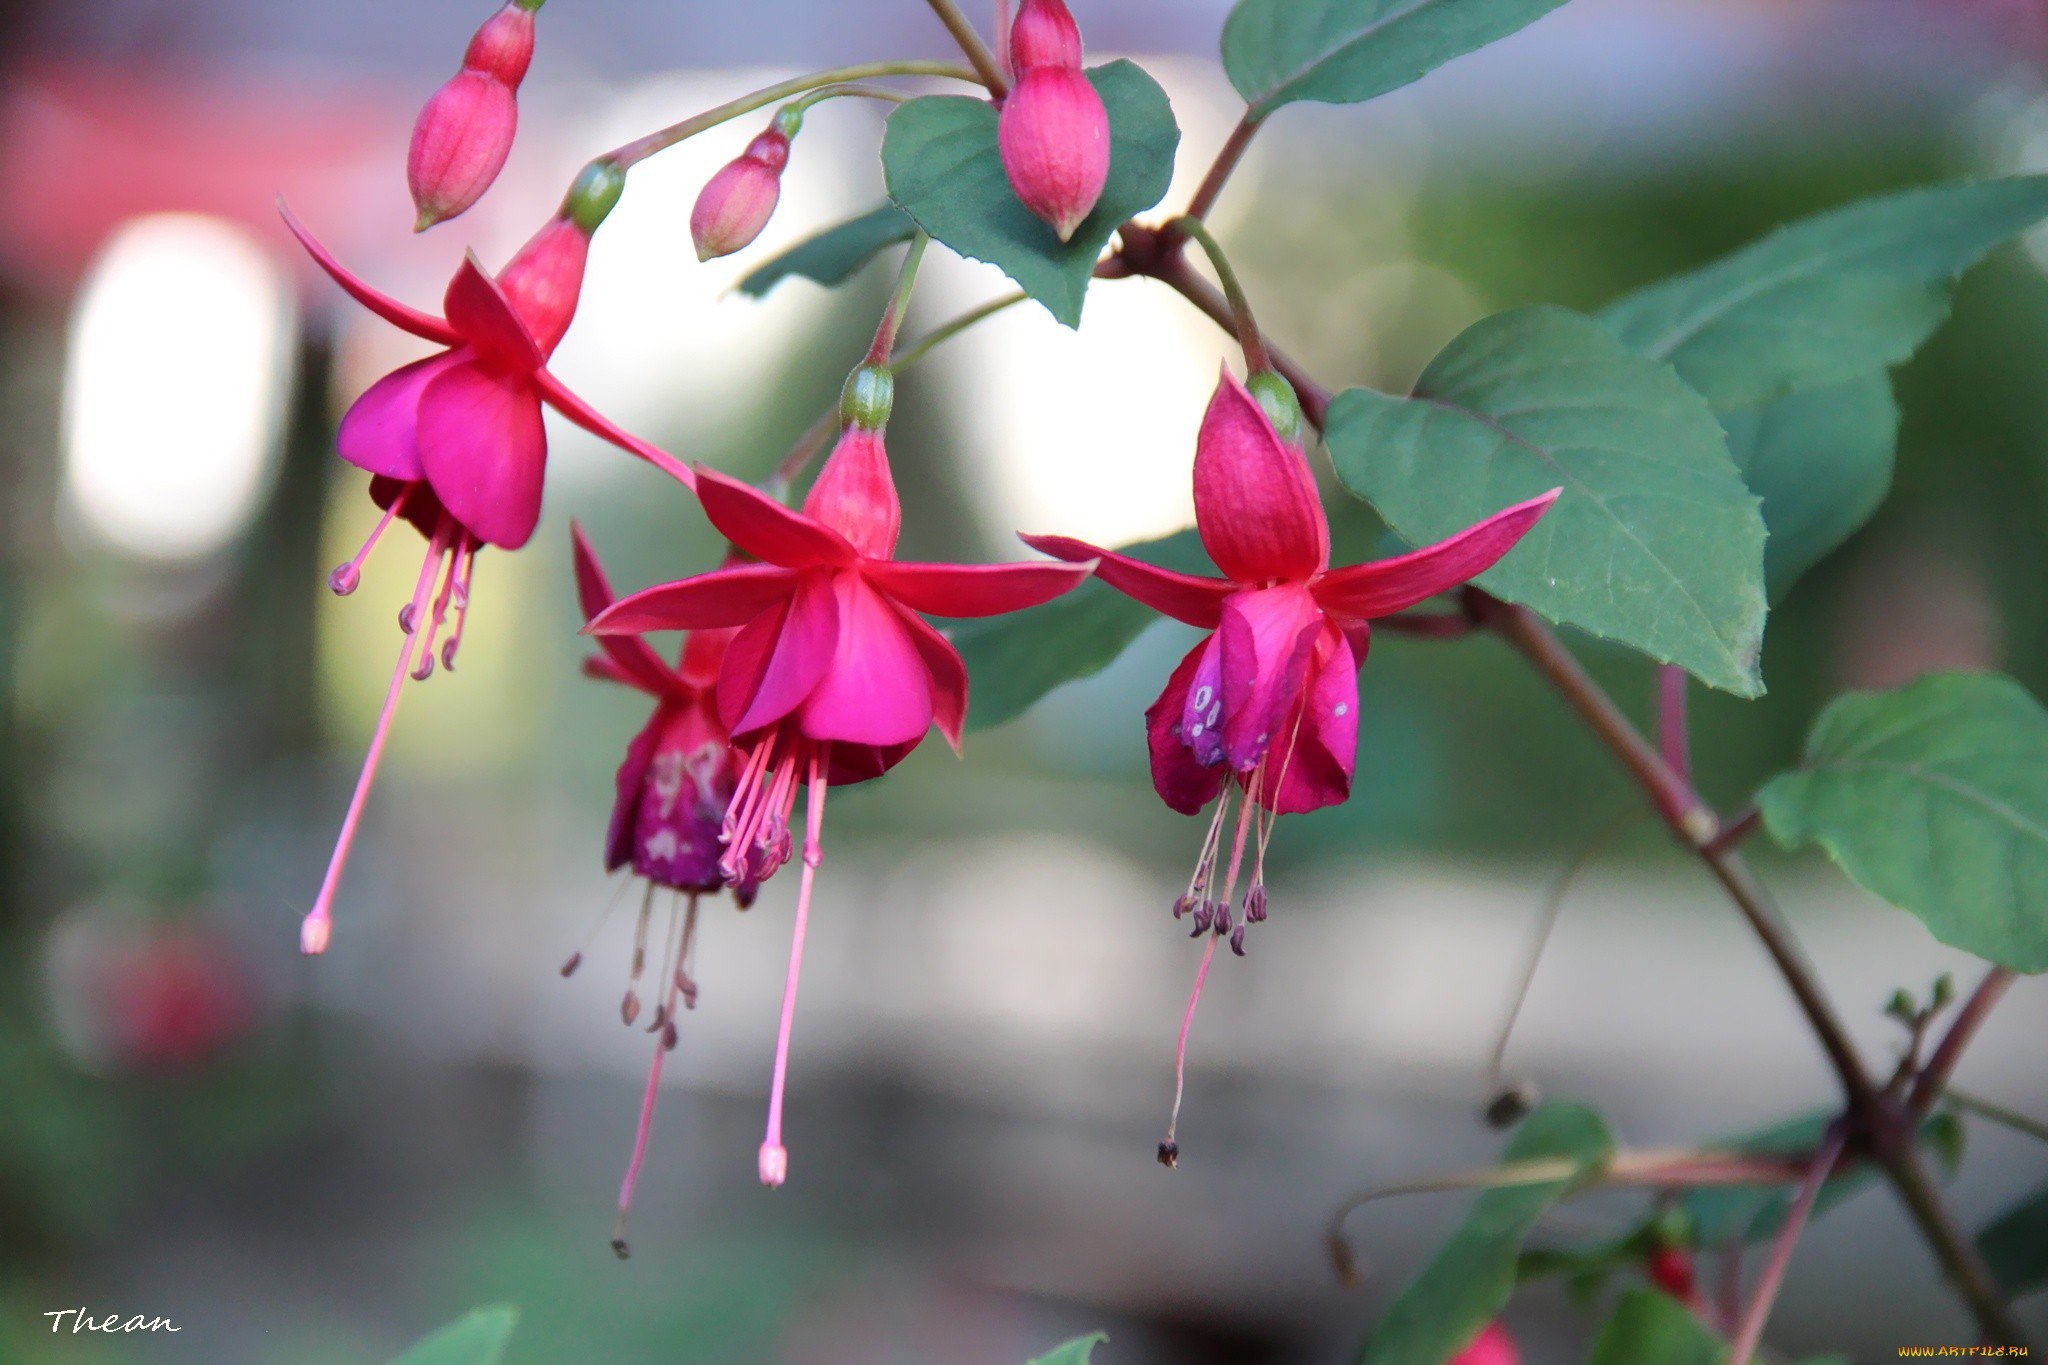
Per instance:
(1267,702)
(673,788)
(1493,1346)
(737,202)
(465,131)
(455,444)
(833,677)
(1053,132)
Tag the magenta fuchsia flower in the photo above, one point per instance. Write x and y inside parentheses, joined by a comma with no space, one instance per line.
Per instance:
(737,202)
(673,789)
(1053,132)
(1266,705)
(455,444)
(833,677)
(465,132)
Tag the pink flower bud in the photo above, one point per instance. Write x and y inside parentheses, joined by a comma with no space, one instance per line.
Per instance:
(738,201)
(1054,139)
(1045,34)
(465,132)
(1493,1346)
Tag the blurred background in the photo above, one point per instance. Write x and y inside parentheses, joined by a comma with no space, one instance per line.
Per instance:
(321,1160)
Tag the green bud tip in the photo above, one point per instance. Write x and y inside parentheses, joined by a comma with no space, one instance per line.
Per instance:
(590,200)
(1277,401)
(530,6)
(1900,1006)
(788,120)
(869,394)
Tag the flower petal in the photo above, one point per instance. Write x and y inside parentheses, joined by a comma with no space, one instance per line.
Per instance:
(479,310)
(1312,760)
(974,589)
(949,676)
(1256,504)
(391,310)
(1184,597)
(558,396)
(764,528)
(1183,783)
(634,656)
(776,661)
(878,690)
(1268,638)
(1384,586)
(630,782)
(380,431)
(723,597)
(484,451)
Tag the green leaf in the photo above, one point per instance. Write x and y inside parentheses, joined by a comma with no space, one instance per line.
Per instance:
(2015,1245)
(1656,542)
(1345,51)
(833,256)
(1842,294)
(1650,1327)
(940,158)
(1079,1351)
(1015,659)
(1821,460)
(1469,1281)
(476,1338)
(1935,797)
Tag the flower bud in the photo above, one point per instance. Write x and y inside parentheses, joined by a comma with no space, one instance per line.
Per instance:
(738,201)
(1671,1269)
(465,131)
(1053,133)
(1493,1346)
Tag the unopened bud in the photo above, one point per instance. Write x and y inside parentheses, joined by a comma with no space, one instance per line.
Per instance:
(465,131)
(1044,35)
(737,202)
(1944,993)
(1493,1346)
(1277,400)
(1053,136)
(1671,1269)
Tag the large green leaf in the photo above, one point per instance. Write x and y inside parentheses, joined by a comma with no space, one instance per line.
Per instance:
(1934,796)
(476,1338)
(1650,1327)
(940,157)
(1821,460)
(1344,51)
(1079,1351)
(1845,293)
(1655,543)
(1015,659)
(832,256)
(1469,1281)
(2015,1245)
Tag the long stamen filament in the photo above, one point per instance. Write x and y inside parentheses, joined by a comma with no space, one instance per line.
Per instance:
(774,1161)
(644,1130)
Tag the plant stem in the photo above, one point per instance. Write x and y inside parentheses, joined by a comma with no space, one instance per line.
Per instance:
(1246,326)
(662,139)
(1887,1130)
(1997,1113)
(1934,1077)
(1222,167)
(1751,1332)
(989,71)
(899,302)
(1674,730)
(835,92)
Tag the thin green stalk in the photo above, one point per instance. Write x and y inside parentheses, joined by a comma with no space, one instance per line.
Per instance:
(662,139)
(1255,357)
(1997,1113)
(946,331)
(804,103)
(899,302)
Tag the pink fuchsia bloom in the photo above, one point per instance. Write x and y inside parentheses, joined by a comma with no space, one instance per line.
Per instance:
(1266,705)
(737,203)
(1493,1346)
(833,677)
(465,131)
(455,444)
(673,789)
(1053,132)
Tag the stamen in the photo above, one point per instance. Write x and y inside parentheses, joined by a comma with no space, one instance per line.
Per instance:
(774,1161)
(348,577)
(466,557)
(629,1006)
(665,982)
(603,918)
(424,669)
(318,924)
